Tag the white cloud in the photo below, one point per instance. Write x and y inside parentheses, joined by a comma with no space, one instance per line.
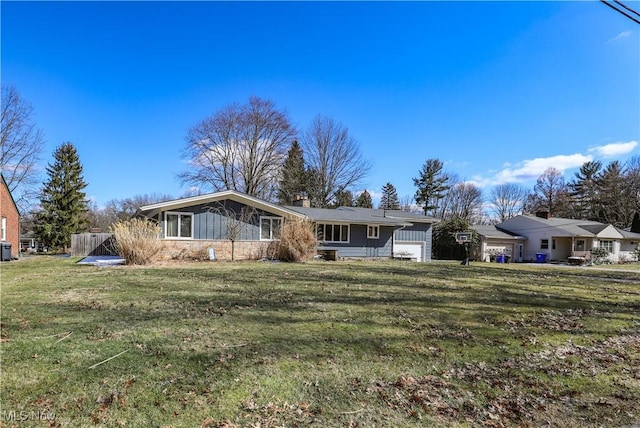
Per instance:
(621,36)
(533,168)
(614,149)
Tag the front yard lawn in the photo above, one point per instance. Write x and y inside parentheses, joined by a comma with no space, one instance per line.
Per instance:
(321,344)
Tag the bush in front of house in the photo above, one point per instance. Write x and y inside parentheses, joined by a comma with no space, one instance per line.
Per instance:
(137,240)
(297,242)
(599,256)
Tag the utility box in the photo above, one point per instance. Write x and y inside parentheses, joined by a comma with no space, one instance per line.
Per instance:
(5,251)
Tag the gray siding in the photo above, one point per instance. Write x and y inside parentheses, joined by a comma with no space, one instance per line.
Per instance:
(418,232)
(360,246)
(210,223)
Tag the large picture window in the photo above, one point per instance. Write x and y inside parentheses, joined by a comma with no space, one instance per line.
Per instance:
(607,245)
(178,225)
(327,232)
(270,228)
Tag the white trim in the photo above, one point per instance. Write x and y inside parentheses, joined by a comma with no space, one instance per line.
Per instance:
(376,229)
(324,224)
(271,234)
(4,229)
(217,196)
(179,214)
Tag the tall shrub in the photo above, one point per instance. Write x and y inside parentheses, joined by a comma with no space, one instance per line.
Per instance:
(137,240)
(297,242)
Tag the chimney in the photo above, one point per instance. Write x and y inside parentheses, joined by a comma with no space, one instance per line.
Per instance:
(301,201)
(546,214)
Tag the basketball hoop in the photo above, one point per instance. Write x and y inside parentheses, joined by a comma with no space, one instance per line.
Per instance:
(463,237)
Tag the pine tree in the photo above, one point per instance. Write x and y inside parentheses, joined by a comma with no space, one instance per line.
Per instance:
(584,191)
(294,176)
(364,200)
(617,204)
(389,199)
(63,202)
(431,185)
(344,198)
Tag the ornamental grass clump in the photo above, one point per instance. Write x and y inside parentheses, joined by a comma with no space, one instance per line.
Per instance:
(137,240)
(297,242)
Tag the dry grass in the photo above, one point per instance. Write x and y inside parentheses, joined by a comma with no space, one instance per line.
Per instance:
(297,242)
(137,240)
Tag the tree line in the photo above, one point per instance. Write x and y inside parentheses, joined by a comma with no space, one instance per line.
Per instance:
(254,148)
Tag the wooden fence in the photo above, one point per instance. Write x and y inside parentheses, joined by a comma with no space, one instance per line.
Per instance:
(92,244)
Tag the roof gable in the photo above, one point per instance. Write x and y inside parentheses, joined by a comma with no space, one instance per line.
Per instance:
(233,195)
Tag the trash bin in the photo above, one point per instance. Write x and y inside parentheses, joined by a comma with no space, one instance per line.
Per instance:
(541,257)
(507,258)
(499,258)
(5,251)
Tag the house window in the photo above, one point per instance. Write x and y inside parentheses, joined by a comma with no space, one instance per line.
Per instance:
(544,244)
(580,245)
(270,228)
(178,225)
(553,244)
(327,232)
(4,229)
(607,245)
(373,231)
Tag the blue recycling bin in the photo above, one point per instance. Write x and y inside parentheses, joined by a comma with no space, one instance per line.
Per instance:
(499,258)
(541,257)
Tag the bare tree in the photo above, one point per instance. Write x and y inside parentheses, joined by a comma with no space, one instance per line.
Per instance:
(125,209)
(333,158)
(408,204)
(507,200)
(235,220)
(241,147)
(550,193)
(21,145)
(463,201)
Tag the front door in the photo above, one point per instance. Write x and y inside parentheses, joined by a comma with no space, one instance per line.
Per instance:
(520,253)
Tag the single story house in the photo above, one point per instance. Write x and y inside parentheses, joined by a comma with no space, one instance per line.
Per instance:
(9,223)
(240,226)
(561,238)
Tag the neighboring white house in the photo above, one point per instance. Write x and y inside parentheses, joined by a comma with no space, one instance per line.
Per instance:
(561,238)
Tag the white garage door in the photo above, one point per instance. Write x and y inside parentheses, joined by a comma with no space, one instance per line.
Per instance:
(408,250)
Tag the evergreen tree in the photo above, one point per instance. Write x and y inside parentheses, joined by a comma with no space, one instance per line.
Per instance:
(64,207)
(431,185)
(344,198)
(635,224)
(617,204)
(389,199)
(294,176)
(364,200)
(445,246)
(584,191)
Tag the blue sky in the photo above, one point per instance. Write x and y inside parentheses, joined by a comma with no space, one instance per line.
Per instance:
(499,91)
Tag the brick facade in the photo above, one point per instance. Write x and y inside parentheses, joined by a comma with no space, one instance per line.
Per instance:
(9,211)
